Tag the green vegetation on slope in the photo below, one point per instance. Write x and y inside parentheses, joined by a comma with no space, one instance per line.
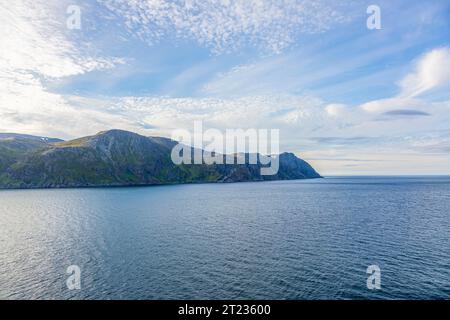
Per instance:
(118,158)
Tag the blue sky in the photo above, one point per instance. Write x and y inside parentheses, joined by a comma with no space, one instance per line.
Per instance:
(348,99)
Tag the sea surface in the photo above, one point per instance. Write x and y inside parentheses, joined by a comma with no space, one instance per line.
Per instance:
(304,239)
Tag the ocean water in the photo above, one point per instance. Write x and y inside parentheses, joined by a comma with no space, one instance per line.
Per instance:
(309,239)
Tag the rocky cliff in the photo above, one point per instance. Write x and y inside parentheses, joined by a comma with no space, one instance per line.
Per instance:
(119,158)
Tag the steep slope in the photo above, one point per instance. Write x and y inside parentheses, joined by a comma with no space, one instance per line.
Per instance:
(15,146)
(120,158)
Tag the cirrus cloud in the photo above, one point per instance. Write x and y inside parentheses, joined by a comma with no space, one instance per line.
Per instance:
(227,25)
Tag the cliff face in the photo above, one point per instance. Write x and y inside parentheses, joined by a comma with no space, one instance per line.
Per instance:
(14,147)
(118,158)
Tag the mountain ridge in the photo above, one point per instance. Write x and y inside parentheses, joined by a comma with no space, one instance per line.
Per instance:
(119,158)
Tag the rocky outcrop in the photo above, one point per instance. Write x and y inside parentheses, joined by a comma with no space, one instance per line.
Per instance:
(119,158)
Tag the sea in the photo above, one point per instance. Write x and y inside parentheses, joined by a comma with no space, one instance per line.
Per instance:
(334,238)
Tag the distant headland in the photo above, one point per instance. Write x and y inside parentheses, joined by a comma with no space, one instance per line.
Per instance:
(120,158)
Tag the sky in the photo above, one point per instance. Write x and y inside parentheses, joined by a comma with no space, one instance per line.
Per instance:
(348,99)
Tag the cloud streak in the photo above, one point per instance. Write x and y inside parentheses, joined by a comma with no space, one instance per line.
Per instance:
(432,71)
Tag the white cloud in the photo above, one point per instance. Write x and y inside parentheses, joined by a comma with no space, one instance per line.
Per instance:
(246,112)
(35,49)
(336,109)
(27,107)
(432,70)
(370,161)
(225,26)
(384,105)
(32,34)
